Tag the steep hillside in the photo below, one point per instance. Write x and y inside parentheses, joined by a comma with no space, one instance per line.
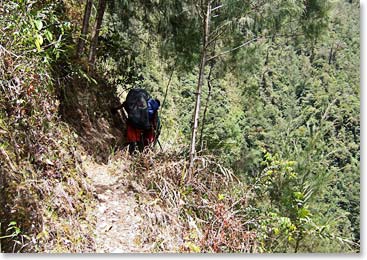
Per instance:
(44,192)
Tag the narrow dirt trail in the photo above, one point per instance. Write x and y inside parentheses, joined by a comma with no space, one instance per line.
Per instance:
(117,215)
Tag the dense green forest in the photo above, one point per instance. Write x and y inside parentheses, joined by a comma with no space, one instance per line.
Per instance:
(260,113)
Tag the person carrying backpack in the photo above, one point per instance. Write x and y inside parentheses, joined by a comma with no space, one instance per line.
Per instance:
(143,124)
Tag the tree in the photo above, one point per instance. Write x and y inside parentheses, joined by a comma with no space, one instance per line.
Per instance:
(94,43)
(242,24)
(85,26)
(206,31)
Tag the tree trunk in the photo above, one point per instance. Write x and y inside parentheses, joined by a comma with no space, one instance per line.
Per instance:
(93,47)
(168,84)
(206,109)
(199,87)
(84,32)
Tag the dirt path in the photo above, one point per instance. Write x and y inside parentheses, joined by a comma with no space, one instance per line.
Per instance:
(118,221)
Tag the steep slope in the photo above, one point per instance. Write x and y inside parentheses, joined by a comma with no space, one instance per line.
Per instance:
(44,195)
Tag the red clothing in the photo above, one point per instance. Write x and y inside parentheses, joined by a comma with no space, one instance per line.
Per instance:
(137,135)
(133,134)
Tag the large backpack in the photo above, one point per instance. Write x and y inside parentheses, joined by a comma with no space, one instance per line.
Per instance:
(136,106)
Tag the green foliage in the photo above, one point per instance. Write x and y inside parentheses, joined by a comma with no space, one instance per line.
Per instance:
(289,198)
(37,152)
(289,220)
(297,107)
(37,28)
(314,19)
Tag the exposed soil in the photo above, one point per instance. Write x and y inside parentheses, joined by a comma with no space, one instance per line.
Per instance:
(129,219)
(118,219)
(88,108)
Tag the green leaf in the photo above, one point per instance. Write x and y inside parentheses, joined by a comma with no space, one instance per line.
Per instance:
(193,248)
(12,223)
(221,196)
(298,195)
(276,231)
(48,35)
(38,42)
(38,24)
(303,212)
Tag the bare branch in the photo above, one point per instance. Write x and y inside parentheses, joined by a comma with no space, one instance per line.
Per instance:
(235,48)
(253,40)
(217,7)
(2,49)
(198,10)
(215,37)
(218,30)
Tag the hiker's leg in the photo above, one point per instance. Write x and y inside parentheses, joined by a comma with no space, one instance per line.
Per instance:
(132,147)
(141,146)
(149,137)
(141,143)
(134,138)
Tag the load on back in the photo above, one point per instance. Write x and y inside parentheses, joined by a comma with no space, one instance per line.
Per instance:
(143,126)
(136,106)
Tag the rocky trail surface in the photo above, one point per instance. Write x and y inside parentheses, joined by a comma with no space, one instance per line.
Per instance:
(128,218)
(117,217)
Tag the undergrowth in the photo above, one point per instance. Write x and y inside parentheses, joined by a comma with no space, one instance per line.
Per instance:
(44,193)
(205,213)
(214,211)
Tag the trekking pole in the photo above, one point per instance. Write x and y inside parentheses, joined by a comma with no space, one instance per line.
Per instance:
(157,131)
(160,145)
(156,140)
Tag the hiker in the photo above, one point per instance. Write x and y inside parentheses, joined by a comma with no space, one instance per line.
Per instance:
(143,124)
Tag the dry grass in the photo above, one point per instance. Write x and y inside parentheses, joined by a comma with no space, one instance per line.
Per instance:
(43,192)
(203,214)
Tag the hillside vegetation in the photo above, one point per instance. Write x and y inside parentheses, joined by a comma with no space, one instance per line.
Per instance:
(266,92)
